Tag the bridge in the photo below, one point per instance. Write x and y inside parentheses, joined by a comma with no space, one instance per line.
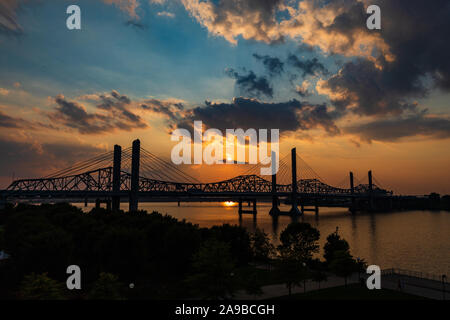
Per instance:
(136,175)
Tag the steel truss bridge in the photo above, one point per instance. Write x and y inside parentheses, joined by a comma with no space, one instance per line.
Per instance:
(136,175)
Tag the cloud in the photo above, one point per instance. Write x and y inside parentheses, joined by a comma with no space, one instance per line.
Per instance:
(166,14)
(136,24)
(308,67)
(127,6)
(333,26)
(171,109)
(251,113)
(302,90)
(32,159)
(395,129)
(7,121)
(9,24)
(381,87)
(251,19)
(273,65)
(114,114)
(364,89)
(250,85)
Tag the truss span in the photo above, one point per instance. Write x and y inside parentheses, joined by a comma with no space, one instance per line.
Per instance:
(100,180)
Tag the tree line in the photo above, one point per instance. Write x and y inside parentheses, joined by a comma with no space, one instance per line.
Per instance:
(153,256)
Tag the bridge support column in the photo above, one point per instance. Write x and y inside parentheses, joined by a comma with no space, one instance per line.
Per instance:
(316,209)
(97,203)
(370,191)
(134,192)
(116,178)
(294,210)
(352,191)
(275,210)
(253,211)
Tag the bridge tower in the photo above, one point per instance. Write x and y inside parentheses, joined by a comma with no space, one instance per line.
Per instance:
(135,158)
(370,191)
(294,210)
(275,210)
(352,192)
(116,178)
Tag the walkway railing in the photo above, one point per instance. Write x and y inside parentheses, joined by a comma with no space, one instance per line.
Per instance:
(414,274)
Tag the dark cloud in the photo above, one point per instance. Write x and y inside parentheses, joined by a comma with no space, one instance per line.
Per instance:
(273,65)
(366,90)
(250,113)
(416,35)
(170,109)
(7,121)
(136,24)
(395,129)
(115,115)
(30,159)
(302,92)
(308,67)
(252,19)
(8,17)
(250,85)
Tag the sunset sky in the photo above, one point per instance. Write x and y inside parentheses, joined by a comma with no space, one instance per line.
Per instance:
(347,97)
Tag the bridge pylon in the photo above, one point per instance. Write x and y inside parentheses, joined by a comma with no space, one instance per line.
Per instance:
(135,159)
(116,178)
(294,210)
(370,191)
(274,210)
(352,192)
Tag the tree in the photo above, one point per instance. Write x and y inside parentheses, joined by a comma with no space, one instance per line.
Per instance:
(334,243)
(343,264)
(213,271)
(299,242)
(319,276)
(106,287)
(262,248)
(293,271)
(41,287)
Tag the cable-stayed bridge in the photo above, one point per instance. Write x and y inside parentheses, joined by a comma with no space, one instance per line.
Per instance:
(136,175)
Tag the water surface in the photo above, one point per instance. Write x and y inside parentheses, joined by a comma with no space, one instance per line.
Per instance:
(413,240)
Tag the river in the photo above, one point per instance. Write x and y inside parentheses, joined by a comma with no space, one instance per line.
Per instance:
(412,240)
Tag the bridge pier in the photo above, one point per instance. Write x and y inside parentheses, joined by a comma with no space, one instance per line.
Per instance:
(116,178)
(370,191)
(253,211)
(352,191)
(134,193)
(274,211)
(294,210)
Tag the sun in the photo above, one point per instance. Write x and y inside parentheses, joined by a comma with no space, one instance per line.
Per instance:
(229,203)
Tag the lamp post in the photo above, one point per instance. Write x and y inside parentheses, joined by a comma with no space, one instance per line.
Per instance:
(359,269)
(304,277)
(443,286)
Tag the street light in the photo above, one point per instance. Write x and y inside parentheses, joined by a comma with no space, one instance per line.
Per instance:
(304,279)
(443,286)
(358,260)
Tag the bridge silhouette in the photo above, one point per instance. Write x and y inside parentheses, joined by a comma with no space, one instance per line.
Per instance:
(136,175)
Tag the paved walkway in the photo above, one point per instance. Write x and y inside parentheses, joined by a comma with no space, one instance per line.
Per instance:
(278,290)
(416,286)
